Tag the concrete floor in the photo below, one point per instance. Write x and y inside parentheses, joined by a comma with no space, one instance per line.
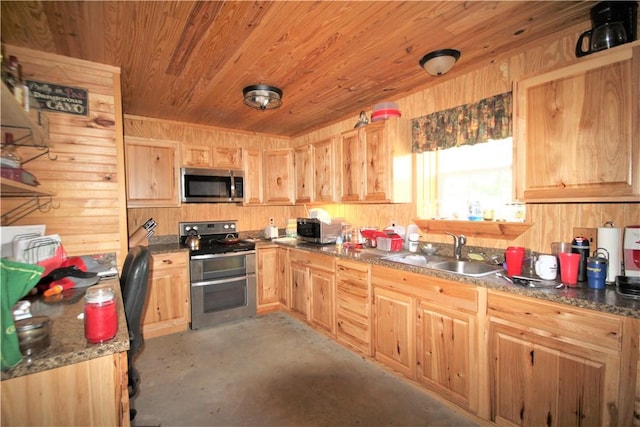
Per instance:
(273,370)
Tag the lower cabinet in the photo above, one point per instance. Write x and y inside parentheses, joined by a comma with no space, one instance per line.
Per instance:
(353,306)
(555,365)
(168,307)
(267,280)
(312,286)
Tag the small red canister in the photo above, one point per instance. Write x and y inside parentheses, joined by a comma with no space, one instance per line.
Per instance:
(100,315)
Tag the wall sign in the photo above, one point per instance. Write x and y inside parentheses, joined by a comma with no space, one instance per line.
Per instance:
(61,99)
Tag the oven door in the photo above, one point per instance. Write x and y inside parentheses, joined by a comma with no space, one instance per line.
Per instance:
(223,288)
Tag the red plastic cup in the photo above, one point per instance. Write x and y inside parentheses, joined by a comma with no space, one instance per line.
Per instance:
(569,265)
(514,255)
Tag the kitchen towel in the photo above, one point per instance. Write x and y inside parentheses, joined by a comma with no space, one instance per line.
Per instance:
(609,238)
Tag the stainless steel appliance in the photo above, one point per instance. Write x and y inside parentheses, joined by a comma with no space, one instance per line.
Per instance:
(199,185)
(313,230)
(223,273)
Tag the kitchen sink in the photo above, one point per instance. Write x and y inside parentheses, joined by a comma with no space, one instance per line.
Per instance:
(449,264)
(467,268)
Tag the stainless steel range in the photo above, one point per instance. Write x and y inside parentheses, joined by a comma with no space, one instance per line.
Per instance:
(223,273)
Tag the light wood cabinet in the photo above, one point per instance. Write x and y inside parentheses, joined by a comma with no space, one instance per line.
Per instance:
(284,293)
(87,393)
(577,133)
(253,177)
(268,278)
(376,163)
(152,172)
(312,284)
(303,166)
(226,158)
(556,365)
(324,169)
(197,155)
(353,305)
(278,177)
(168,307)
(394,330)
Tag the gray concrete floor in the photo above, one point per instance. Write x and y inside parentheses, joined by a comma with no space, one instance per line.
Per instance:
(273,370)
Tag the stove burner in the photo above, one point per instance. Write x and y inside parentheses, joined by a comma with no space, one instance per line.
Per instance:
(216,237)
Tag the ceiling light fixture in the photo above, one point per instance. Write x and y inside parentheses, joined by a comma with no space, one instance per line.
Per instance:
(439,62)
(262,97)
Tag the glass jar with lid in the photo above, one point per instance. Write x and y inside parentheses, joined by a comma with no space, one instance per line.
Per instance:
(100,314)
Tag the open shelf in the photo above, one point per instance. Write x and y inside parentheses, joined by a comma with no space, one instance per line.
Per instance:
(26,125)
(491,229)
(11,188)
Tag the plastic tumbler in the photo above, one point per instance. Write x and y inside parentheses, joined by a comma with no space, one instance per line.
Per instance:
(514,255)
(569,265)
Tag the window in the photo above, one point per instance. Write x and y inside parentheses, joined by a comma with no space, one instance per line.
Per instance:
(449,180)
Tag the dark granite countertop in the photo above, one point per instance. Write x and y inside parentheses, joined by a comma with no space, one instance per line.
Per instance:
(68,344)
(603,300)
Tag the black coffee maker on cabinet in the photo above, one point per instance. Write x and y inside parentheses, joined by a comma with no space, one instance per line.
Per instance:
(613,23)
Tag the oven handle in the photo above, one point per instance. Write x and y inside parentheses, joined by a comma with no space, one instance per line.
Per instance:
(209,256)
(221,281)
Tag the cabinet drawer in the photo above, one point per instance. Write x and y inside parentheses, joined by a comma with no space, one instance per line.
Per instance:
(164,261)
(318,261)
(431,289)
(356,270)
(560,320)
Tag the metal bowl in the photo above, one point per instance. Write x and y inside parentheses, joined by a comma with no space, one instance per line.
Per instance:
(429,249)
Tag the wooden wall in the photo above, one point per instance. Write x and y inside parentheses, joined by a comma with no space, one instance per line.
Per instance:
(553,222)
(87,175)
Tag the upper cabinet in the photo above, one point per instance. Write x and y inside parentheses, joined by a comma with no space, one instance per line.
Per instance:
(278,176)
(208,156)
(253,178)
(153,172)
(315,172)
(376,163)
(577,130)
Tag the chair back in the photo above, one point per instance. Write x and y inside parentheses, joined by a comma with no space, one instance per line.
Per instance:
(134,282)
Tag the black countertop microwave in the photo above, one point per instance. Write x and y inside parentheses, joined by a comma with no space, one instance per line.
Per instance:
(201,185)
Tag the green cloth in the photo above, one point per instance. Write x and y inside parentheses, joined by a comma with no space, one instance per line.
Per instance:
(16,279)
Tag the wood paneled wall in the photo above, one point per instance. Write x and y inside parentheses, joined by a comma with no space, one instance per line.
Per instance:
(87,175)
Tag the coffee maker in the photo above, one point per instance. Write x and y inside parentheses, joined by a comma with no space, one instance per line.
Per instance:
(613,23)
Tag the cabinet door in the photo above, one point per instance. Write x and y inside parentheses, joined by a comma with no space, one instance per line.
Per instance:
(324,165)
(377,165)
(267,277)
(303,164)
(353,305)
(278,177)
(535,384)
(577,134)
(152,169)
(168,307)
(298,280)
(196,155)
(253,177)
(445,356)
(394,323)
(322,290)
(283,277)
(227,158)
(351,166)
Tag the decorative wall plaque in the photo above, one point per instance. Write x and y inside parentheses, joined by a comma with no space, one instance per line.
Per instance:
(58,98)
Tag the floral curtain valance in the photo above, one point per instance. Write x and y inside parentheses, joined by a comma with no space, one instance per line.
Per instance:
(490,118)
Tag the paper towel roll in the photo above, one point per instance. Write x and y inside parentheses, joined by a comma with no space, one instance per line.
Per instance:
(609,238)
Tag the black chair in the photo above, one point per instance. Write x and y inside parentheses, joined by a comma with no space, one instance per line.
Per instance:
(134,282)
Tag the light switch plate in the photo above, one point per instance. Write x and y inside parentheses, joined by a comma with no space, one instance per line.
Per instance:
(589,233)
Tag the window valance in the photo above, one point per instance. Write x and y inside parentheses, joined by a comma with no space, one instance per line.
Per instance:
(489,118)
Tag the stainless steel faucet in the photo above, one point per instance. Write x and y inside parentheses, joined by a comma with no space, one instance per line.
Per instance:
(458,243)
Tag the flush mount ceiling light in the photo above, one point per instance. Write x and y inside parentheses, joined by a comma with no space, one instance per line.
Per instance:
(439,62)
(262,97)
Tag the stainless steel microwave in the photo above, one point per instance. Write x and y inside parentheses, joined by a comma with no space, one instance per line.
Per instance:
(200,185)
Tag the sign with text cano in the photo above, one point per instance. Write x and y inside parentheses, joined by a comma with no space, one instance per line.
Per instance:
(58,98)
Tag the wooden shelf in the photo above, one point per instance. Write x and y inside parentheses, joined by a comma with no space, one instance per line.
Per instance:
(490,229)
(11,188)
(26,125)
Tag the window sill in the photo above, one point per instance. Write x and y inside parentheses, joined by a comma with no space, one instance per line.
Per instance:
(491,229)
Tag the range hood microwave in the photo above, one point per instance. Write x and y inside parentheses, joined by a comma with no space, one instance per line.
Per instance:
(201,185)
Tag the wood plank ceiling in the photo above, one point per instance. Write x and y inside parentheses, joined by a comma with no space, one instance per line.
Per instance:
(189,61)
